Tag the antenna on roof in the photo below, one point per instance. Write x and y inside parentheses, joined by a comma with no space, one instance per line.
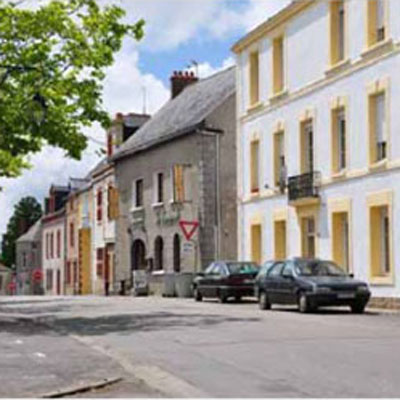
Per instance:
(194,64)
(144,99)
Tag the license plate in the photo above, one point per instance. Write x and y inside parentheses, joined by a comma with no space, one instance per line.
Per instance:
(248,281)
(346,295)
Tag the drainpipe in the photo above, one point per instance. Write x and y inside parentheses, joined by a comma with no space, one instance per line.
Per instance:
(217,133)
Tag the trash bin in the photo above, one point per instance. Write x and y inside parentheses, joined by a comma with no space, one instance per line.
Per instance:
(169,285)
(183,284)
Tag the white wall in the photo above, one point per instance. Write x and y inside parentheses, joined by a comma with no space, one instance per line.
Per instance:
(307,60)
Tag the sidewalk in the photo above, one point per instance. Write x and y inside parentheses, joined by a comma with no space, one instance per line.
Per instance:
(36,360)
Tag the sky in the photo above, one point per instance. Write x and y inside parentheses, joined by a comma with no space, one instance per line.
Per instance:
(177,32)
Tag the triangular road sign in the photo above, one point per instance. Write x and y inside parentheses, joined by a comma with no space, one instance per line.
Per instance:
(188,228)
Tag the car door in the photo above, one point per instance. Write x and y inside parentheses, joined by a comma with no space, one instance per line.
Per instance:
(271,282)
(287,284)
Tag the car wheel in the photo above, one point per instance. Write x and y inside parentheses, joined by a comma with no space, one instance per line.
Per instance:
(358,308)
(222,297)
(304,306)
(263,301)
(196,294)
(238,299)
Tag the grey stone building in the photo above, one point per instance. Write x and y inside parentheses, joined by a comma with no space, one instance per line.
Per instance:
(29,261)
(176,179)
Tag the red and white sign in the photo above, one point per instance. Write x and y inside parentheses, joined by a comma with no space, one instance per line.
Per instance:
(189,228)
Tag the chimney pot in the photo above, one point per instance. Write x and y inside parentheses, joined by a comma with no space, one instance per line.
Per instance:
(180,80)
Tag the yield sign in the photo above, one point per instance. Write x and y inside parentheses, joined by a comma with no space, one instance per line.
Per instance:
(188,228)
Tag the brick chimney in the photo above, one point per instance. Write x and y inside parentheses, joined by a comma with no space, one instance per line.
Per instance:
(179,80)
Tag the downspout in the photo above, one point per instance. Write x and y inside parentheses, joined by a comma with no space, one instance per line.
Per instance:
(217,133)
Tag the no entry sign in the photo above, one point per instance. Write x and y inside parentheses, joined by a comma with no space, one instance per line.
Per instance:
(188,228)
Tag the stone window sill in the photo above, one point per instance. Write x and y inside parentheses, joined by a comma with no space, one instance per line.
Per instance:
(338,67)
(158,205)
(378,166)
(254,107)
(337,175)
(378,48)
(278,96)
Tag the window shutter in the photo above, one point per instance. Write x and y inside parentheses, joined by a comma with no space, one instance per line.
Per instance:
(179,188)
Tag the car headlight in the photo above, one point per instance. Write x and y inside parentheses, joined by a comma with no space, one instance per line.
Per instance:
(362,289)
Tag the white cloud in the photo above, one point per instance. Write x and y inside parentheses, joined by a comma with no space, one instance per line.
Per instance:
(169,24)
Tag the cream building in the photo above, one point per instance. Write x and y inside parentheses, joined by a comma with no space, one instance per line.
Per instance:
(318,147)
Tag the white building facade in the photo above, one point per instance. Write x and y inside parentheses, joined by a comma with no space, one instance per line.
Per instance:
(318,143)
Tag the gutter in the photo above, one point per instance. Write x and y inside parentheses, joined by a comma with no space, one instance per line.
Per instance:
(217,133)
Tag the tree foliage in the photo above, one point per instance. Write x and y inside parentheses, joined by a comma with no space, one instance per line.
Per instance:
(58,52)
(26,212)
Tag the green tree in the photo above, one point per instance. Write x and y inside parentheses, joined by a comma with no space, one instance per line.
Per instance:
(54,58)
(26,212)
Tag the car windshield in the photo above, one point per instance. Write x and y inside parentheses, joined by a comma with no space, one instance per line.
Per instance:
(242,268)
(318,268)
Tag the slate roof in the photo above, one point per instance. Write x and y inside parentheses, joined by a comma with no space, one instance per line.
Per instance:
(33,233)
(182,114)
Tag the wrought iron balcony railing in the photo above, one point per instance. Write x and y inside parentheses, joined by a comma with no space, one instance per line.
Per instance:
(304,186)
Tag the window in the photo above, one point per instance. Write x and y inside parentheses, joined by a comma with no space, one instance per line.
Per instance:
(52,245)
(308,237)
(100,262)
(279,161)
(254,167)
(337,19)
(177,253)
(68,273)
(159,253)
(380,243)
(138,193)
(307,147)
(99,205)
(376,21)
(254,78)
(276,270)
(159,187)
(71,235)
(278,65)
(178,183)
(339,150)
(49,279)
(378,129)
(75,272)
(58,244)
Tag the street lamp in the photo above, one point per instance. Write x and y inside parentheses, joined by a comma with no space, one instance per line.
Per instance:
(39,105)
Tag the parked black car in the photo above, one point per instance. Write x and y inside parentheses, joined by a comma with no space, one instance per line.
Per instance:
(311,283)
(259,281)
(225,279)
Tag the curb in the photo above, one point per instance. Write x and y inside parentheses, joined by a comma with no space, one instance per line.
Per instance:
(81,389)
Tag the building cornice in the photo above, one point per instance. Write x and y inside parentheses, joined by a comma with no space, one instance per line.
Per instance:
(272,23)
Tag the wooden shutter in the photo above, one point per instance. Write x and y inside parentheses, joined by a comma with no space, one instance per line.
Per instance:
(179,187)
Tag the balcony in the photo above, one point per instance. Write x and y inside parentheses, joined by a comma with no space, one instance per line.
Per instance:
(304,188)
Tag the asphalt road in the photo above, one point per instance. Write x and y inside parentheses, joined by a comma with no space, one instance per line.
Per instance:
(180,348)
